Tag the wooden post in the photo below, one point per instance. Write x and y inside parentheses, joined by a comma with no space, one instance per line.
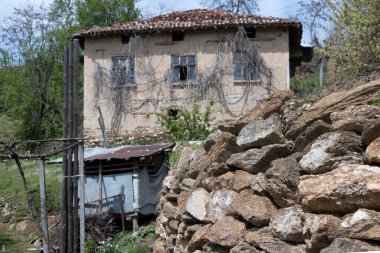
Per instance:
(82,198)
(44,221)
(70,229)
(64,207)
(75,135)
(100,187)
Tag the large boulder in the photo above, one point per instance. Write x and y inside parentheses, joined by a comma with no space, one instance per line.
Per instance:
(254,209)
(282,181)
(287,224)
(330,150)
(258,160)
(354,118)
(363,224)
(317,230)
(312,132)
(263,109)
(223,148)
(219,204)
(261,132)
(337,101)
(196,203)
(224,181)
(342,190)
(212,139)
(372,153)
(343,245)
(227,232)
(371,131)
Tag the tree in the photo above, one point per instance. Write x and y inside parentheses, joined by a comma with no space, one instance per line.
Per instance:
(314,16)
(29,91)
(354,42)
(235,6)
(105,12)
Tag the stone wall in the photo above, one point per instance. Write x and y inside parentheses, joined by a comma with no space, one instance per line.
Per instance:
(286,177)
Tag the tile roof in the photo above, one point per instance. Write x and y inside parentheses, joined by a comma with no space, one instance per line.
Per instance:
(189,20)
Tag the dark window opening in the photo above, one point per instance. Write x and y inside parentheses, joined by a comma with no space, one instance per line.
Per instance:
(251,32)
(178,36)
(182,73)
(183,68)
(125,38)
(245,67)
(172,112)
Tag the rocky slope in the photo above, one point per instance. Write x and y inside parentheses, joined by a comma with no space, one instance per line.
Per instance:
(285,177)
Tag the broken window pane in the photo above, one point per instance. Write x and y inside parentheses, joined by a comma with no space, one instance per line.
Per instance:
(123,70)
(245,67)
(183,68)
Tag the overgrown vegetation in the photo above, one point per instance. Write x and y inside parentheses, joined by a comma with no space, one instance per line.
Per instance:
(187,125)
(124,242)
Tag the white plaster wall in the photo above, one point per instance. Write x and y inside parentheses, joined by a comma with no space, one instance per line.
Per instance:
(152,94)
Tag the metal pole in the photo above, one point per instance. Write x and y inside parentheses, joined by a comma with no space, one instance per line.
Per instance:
(44,222)
(100,187)
(82,197)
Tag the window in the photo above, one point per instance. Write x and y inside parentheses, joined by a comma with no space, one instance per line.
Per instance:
(178,36)
(123,70)
(244,67)
(183,68)
(125,39)
(251,32)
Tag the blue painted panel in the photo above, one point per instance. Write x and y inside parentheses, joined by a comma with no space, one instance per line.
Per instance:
(112,185)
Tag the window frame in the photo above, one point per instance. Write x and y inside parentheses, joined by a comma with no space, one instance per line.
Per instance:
(248,68)
(129,77)
(176,62)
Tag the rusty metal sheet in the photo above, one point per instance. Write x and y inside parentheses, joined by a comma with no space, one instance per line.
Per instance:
(126,152)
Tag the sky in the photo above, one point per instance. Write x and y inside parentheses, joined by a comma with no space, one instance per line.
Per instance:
(276,8)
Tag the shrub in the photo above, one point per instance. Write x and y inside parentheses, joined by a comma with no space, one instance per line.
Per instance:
(187,125)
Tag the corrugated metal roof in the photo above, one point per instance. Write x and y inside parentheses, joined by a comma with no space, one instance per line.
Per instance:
(122,152)
(189,20)
(126,152)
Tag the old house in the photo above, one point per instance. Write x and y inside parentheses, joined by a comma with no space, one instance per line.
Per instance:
(136,69)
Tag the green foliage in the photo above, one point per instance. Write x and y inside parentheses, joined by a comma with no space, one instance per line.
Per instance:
(89,246)
(304,87)
(377,101)
(127,242)
(105,12)
(354,43)
(187,125)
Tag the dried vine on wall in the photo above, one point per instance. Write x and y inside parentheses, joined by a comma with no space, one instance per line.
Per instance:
(209,83)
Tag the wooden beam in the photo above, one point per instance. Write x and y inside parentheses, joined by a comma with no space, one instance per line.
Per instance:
(82,198)
(44,221)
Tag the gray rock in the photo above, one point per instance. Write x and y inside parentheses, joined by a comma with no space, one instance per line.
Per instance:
(198,239)
(342,190)
(354,118)
(244,248)
(275,245)
(282,181)
(258,160)
(219,204)
(344,245)
(254,209)
(256,237)
(371,131)
(261,132)
(330,150)
(316,129)
(196,203)
(363,224)
(317,230)
(227,232)
(211,140)
(287,224)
